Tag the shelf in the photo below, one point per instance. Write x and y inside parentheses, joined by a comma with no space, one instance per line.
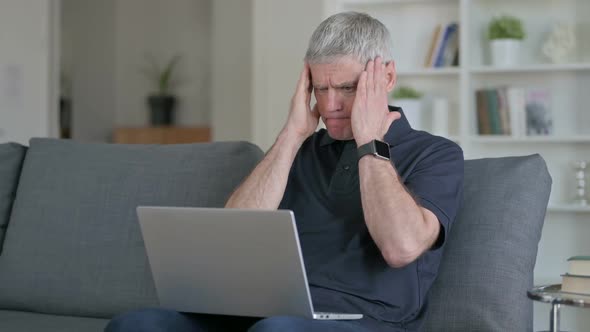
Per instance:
(430,72)
(541,68)
(395,2)
(455,139)
(543,281)
(568,208)
(529,139)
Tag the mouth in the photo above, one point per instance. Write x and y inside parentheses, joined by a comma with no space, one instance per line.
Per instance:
(335,119)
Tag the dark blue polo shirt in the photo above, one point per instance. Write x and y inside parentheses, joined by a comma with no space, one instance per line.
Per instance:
(345,269)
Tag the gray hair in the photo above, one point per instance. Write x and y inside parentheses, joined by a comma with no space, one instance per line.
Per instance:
(349,34)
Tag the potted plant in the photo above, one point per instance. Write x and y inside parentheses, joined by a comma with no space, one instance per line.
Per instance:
(410,101)
(162,102)
(506,34)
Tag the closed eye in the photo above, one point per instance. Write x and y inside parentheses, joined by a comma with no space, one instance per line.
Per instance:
(348,89)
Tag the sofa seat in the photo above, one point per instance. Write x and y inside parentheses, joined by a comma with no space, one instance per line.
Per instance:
(28,321)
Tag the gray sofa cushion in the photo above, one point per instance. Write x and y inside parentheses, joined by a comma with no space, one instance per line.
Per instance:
(18,321)
(11,158)
(489,258)
(73,245)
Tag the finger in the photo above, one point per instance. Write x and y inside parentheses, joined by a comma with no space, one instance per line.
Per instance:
(361,88)
(303,83)
(307,86)
(379,70)
(315,112)
(370,76)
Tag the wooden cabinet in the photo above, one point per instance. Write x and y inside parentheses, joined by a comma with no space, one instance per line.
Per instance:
(161,135)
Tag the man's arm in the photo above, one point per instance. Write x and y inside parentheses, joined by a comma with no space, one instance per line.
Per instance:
(399,226)
(265,186)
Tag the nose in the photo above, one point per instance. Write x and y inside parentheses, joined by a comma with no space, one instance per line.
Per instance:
(334,103)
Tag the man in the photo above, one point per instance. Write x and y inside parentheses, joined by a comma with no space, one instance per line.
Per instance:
(372,224)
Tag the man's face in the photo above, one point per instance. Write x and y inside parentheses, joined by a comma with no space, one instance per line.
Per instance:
(334,87)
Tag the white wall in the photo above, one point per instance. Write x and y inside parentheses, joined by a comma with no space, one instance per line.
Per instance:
(27,98)
(163,28)
(105,44)
(231,77)
(88,59)
(282,29)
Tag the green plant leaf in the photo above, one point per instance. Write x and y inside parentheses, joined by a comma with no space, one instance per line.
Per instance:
(506,27)
(406,92)
(162,78)
(166,76)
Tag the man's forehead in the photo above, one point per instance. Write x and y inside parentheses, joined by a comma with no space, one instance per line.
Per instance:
(336,72)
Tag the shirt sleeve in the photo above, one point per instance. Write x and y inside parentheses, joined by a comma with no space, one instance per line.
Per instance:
(436,183)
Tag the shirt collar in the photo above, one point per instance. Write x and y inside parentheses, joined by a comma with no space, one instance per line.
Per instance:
(397,130)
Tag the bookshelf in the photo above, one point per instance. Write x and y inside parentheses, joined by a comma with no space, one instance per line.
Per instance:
(530,139)
(568,208)
(538,68)
(568,84)
(429,72)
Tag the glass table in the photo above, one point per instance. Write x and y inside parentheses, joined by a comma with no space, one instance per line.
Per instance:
(553,294)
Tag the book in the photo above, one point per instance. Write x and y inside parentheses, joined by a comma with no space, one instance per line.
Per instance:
(451,48)
(579,265)
(483,122)
(449,31)
(575,284)
(456,61)
(439,41)
(433,44)
(539,120)
(493,113)
(503,111)
(516,105)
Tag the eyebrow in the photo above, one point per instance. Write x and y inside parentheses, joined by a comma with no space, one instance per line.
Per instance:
(347,84)
(338,86)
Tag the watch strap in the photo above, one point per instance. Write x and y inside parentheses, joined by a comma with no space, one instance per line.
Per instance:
(365,149)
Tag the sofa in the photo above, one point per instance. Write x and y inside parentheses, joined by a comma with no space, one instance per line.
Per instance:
(72,255)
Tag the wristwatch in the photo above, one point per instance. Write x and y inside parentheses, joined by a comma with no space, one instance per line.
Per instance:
(375,147)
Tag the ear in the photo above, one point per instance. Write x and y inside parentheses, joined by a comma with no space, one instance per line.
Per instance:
(390,75)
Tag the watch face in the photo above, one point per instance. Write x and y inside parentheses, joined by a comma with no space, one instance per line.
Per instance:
(382,148)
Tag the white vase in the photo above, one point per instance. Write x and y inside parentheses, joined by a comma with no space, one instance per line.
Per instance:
(440,117)
(412,109)
(505,52)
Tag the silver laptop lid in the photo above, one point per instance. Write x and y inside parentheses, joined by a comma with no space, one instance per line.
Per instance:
(226,261)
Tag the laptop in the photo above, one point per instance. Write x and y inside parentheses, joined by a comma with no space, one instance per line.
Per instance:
(242,262)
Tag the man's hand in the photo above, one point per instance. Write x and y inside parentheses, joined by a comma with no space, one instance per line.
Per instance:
(370,115)
(302,121)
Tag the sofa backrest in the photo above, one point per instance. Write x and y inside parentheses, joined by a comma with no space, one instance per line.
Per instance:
(11,159)
(490,255)
(73,244)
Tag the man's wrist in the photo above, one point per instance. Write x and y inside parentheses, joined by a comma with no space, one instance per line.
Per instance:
(290,137)
(365,139)
(376,148)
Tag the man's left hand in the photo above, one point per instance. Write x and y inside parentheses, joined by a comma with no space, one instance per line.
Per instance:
(370,117)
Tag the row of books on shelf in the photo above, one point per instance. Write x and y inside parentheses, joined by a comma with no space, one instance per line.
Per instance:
(514,111)
(444,46)
(577,279)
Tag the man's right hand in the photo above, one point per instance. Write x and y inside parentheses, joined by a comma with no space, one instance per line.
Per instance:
(303,120)
(265,186)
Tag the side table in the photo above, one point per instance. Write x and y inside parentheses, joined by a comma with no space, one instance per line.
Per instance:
(161,135)
(553,294)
